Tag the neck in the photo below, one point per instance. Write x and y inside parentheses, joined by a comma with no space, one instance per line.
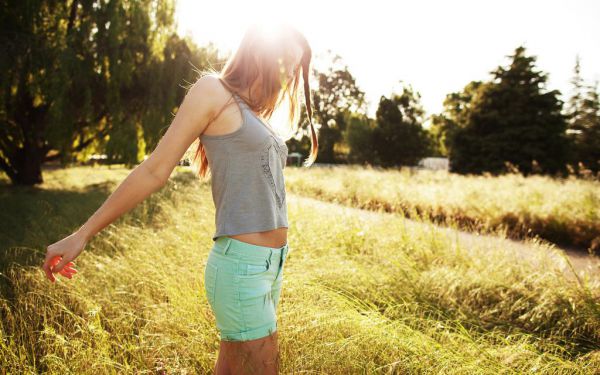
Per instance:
(253,89)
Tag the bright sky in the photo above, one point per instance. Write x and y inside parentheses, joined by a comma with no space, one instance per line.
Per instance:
(436,46)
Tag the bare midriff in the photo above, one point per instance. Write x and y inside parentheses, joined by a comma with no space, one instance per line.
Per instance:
(270,238)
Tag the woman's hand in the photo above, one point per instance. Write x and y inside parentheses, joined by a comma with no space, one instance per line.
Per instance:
(60,254)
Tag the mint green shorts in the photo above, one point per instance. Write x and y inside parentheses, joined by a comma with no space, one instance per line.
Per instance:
(243,283)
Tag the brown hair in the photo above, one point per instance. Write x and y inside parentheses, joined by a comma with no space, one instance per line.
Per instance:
(260,56)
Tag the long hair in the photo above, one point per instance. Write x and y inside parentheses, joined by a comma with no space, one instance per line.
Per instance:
(262,54)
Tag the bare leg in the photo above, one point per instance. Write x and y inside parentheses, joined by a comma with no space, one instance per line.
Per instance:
(221,367)
(260,356)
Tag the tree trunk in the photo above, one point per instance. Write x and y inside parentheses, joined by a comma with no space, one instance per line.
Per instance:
(29,172)
(28,166)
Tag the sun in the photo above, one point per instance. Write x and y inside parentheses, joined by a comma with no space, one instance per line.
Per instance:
(270,29)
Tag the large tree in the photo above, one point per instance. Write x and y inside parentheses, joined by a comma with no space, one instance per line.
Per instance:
(74,74)
(399,137)
(335,98)
(583,111)
(454,115)
(359,138)
(512,118)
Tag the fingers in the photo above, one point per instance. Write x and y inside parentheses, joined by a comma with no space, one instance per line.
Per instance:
(51,266)
(47,267)
(57,262)
(68,272)
(61,264)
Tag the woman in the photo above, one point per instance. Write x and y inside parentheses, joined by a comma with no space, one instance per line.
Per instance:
(244,271)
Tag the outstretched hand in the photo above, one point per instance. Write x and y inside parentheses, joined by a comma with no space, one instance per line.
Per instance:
(59,256)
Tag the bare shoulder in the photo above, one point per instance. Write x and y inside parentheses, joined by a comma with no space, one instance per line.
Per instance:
(206,97)
(209,85)
(205,88)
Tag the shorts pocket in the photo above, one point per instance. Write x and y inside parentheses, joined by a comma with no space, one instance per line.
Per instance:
(282,264)
(253,269)
(210,282)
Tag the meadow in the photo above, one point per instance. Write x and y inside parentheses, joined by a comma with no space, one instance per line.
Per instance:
(564,211)
(362,293)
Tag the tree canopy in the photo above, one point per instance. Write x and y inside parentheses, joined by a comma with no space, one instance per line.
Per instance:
(83,75)
(510,119)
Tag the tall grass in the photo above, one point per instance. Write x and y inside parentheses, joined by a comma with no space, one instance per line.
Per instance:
(566,212)
(362,293)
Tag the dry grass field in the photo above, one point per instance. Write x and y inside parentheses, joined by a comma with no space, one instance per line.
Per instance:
(362,294)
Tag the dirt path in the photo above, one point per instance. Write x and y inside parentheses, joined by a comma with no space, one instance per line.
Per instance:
(583,264)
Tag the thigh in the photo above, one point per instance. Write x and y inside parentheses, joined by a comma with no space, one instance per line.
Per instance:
(260,356)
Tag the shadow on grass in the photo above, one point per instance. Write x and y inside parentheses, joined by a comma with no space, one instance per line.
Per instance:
(32,218)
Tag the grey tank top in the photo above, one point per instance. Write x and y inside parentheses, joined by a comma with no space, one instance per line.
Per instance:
(247,181)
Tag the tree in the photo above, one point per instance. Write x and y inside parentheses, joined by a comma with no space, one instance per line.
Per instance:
(166,90)
(335,98)
(454,115)
(512,119)
(359,138)
(583,113)
(399,137)
(76,74)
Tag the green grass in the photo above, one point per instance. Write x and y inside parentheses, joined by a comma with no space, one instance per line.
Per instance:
(362,293)
(566,212)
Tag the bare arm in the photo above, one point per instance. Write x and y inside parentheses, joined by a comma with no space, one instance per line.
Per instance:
(150,176)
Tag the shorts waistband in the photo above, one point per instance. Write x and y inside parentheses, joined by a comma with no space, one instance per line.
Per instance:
(243,250)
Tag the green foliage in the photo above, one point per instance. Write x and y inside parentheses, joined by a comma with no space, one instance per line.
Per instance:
(88,74)
(399,137)
(510,119)
(584,123)
(454,115)
(336,96)
(359,138)
(122,145)
(166,84)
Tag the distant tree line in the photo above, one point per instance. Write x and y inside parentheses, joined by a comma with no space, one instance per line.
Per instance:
(83,77)
(511,122)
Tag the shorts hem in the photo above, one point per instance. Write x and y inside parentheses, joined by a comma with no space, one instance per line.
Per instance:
(250,335)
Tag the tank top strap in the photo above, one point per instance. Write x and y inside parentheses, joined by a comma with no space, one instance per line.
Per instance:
(247,111)
(240,101)
(244,108)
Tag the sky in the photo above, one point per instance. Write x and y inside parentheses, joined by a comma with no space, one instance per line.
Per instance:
(437,47)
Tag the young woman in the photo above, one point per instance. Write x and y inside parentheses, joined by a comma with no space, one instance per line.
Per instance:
(225,115)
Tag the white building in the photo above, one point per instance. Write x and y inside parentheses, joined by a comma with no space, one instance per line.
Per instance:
(434,163)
